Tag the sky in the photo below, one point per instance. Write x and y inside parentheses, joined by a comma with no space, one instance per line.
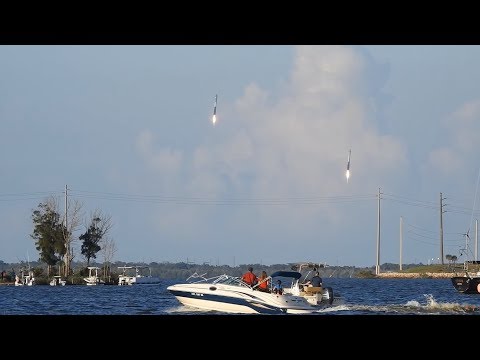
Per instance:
(128,130)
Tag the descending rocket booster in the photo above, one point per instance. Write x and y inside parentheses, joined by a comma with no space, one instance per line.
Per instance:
(214,117)
(347,174)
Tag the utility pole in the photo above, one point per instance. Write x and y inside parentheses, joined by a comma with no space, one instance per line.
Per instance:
(377,267)
(476,239)
(401,238)
(441,227)
(67,242)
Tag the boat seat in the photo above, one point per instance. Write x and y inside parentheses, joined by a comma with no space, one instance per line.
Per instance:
(312,289)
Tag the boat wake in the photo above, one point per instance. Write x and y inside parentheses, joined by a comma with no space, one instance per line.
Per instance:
(189,310)
(339,307)
(413,307)
(433,306)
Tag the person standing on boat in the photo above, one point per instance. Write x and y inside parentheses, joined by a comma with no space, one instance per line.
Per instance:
(263,283)
(249,277)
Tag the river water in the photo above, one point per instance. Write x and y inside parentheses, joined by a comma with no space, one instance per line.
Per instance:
(356,297)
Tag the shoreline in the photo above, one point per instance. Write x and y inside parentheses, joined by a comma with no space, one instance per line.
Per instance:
(397,275)
(385,275)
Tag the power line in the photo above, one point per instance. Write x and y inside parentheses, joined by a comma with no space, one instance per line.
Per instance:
(196,200)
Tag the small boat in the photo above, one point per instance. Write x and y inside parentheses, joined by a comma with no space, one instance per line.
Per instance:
(230,294)
(132,275)
(57,281)
(469,283)
(26,278)
(93,278)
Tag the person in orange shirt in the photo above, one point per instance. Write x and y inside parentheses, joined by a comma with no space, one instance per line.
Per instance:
(263,284)
(249,277)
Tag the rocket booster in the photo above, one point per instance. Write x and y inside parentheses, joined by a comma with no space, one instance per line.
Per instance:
(348,161)
(347,174)
(214,117)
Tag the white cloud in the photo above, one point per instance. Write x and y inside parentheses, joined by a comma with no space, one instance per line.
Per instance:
(465,125)
(462,127)
(165,160)
(332,71)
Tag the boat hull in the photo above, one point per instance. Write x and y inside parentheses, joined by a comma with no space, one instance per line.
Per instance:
(234,299)
(466,284)
(93,281)
(223,305)
(138,280)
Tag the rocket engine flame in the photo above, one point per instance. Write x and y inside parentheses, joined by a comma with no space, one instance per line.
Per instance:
(347,174)
(214,119)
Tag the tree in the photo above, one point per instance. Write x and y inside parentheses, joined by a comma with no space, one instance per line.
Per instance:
(108,250)
(99,226)
(90,240)
(71,221)
(57,245)
(48,233)
(454,259)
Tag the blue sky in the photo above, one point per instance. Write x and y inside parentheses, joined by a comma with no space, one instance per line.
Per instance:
(128,129)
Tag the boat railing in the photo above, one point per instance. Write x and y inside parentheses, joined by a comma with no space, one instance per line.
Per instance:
(268,278)
(471,267)
(195,275)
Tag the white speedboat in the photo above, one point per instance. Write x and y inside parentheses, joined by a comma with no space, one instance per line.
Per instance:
(93,278)
(230,294)
(132,275)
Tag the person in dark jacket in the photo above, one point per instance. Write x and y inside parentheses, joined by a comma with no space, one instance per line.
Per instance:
(316,280)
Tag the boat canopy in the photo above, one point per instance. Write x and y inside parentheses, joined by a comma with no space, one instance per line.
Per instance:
(288,274)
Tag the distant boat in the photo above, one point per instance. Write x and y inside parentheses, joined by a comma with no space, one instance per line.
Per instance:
(134,275)
(26,278)
(93,278)
(57,281)
(470,282)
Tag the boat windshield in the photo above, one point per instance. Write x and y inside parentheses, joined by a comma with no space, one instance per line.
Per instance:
(229,280)
(221,279)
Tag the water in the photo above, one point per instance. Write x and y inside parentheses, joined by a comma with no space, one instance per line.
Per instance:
(358,297)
